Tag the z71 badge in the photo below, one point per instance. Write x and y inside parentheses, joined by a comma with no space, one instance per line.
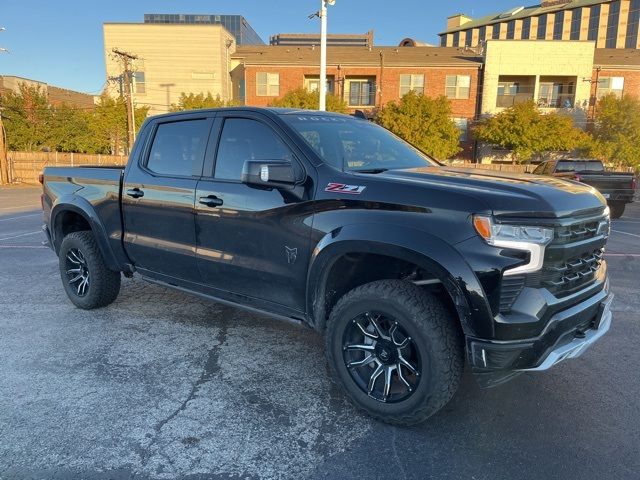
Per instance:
(342,188)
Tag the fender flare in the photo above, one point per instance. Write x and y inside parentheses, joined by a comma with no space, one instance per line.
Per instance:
(81,206)
(405,243)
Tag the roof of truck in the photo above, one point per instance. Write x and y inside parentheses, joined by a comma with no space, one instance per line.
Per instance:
(269,110)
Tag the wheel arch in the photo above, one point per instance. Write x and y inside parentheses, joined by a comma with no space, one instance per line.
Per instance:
(73,213)
(401,247)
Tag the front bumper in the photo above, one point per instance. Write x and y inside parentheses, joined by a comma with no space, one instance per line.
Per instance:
(568,334)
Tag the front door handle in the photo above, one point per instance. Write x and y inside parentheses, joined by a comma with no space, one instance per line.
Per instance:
(210,201)
(135,192)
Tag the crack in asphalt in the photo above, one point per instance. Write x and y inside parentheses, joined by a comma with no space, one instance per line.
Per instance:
(210,369)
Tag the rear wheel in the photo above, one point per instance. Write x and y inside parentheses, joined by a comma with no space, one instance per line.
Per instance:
(395,350)
(85,277)
(617,209)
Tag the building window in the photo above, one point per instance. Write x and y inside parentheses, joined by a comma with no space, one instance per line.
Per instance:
(463,126)
(411,83)
(267,84)
(526,28)
(558,25)
(542,27)
(482,34)
(612,25)
(458,86)
(633,22)
(511,30)
(456,39)
(468,38)
(576,24)
(495,33)
(361,93)
(508,88)
(312,83)
(556,95)
(610,85)
(443,40)
(594,23)
(139,83)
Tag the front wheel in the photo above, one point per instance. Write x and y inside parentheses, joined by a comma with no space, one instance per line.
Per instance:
(617,209)
(395,350)
(85,277)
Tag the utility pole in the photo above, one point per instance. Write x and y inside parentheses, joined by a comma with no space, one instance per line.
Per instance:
(594,100)
(4,164)
(126,59)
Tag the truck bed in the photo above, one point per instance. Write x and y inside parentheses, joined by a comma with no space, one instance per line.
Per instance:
(98,188)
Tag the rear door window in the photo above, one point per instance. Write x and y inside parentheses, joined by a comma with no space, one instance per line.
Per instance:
(178,148)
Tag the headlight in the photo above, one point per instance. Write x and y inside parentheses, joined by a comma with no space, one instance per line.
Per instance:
(518,237)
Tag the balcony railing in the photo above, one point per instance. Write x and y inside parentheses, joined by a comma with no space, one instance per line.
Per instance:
(506,101)
(562,100)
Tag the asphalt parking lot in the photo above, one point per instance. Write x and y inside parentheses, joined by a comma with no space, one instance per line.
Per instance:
(164,385)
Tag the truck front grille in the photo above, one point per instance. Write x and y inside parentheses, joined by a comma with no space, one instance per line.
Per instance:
(565,277)
(575,232)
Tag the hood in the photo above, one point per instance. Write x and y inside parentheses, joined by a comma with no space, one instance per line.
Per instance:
(509,194)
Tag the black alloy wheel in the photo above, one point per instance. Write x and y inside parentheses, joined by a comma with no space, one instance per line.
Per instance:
(381,357)
(77,271)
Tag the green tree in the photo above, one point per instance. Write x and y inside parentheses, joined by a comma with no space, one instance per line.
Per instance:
(303,98)
(27,118)
(192,101)
(108,124)
(424,122)
(70,130)
(526,131)
(617,130)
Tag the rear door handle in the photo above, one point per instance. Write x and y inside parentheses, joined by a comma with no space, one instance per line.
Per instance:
(135,192)
(210,201)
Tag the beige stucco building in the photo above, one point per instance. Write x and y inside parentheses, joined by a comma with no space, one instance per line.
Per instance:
(172,58)
(556,75)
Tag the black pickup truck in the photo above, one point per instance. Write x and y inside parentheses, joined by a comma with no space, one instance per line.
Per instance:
(408,268)
(619,188)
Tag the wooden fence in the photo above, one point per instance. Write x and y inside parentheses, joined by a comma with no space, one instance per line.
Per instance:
(24,167)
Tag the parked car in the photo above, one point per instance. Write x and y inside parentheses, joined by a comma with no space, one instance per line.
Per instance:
(408,268)
(619,188)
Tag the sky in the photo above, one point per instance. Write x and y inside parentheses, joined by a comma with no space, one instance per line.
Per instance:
(60,41)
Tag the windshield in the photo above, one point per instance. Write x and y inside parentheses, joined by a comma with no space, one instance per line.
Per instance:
(356,145)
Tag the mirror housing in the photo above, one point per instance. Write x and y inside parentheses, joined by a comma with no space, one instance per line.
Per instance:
(270,174)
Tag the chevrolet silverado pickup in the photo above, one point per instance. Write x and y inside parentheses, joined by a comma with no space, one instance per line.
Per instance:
(618,188)
(408,268)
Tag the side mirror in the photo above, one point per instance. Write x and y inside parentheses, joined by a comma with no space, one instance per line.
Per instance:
(270,174)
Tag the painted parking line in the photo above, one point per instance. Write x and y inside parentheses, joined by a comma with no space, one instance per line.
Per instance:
(22,246)
(30,215)
(21,235)
(626,233)
(17,207)
(635,255)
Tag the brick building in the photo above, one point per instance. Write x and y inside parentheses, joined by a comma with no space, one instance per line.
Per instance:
(366,78)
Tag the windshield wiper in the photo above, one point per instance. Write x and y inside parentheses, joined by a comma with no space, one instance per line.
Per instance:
(371,170)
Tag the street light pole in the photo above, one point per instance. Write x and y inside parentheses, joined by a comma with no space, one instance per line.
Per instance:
(323,53)
(323,56)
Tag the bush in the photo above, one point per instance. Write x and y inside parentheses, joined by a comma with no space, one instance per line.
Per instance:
(303,98)
(424,122)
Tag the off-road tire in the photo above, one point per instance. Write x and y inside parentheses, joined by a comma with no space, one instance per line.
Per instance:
(616,209)
(434,328)
(104,284)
